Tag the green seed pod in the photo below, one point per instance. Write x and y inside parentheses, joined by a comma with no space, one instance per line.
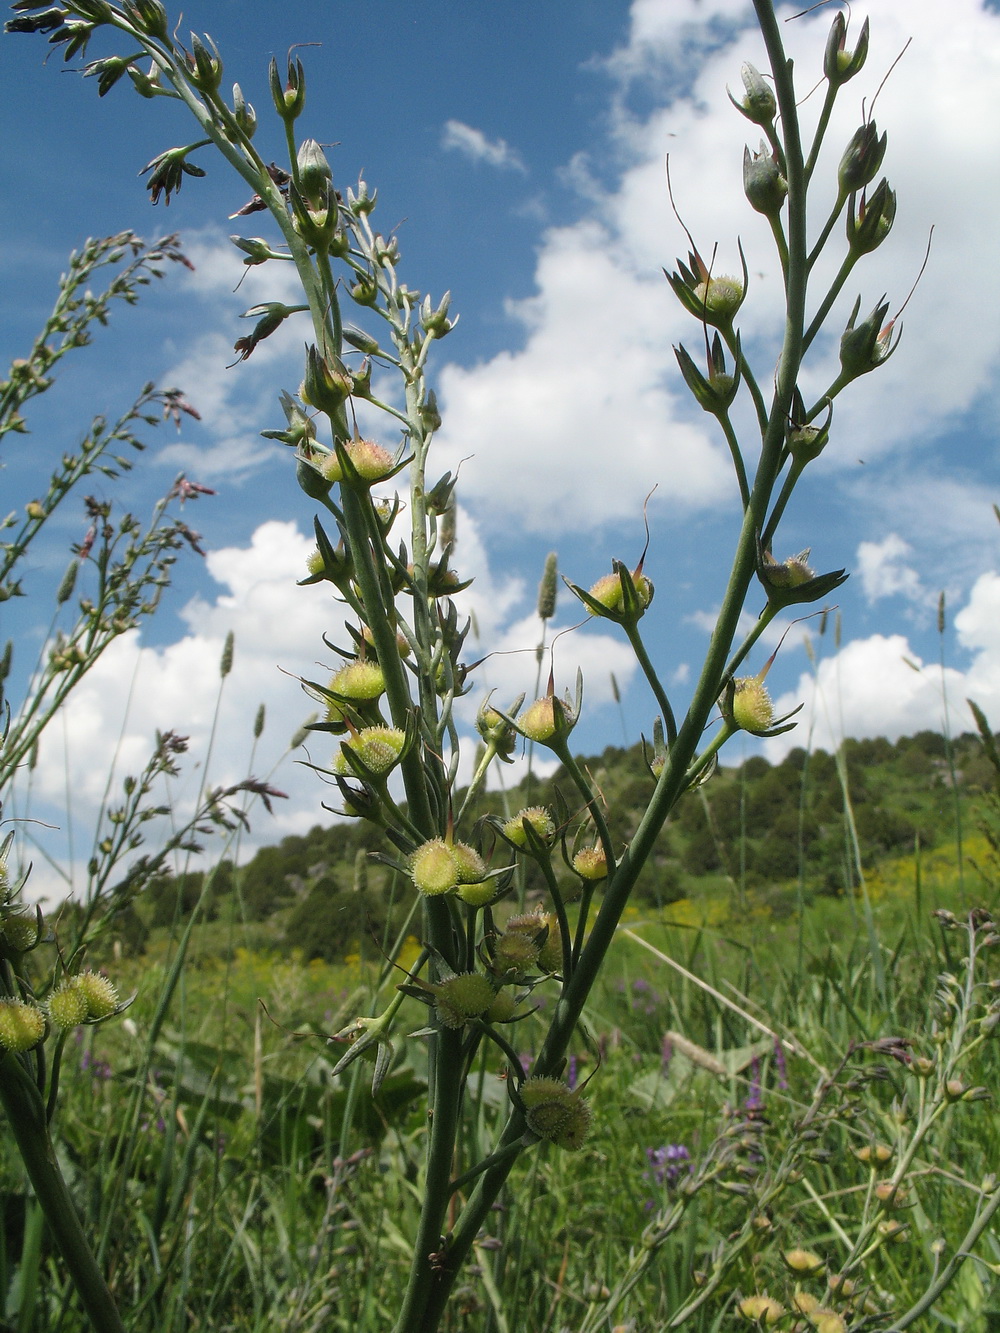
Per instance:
(360,680)
(761,1309)
(433,869)
(378,748)
(752,707)
(469,995)
(516,953)
(538,722)
(591,863)
(503,1007)
(471,867)
(19,932)
(67,1006)
(22,1026)
(100,994)
(555,1113)
(538,818)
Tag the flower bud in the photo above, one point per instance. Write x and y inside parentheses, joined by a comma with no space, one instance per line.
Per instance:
(791,573)
(315,175)
(436,321)
(862,158)
(759,103)
(763,184)
(149,16)
(433,868)
(712,300)
(19,932)
(204,66)
(868,228)
(243,112)
(471,867)
(477,893)
(716,393)
(839,64)
(326,385)
(538,722)
(515,953)
(876,1154)
(367,462)
(503,1006)
(869,345)
(802,1261)
(22,1026)
(362,203)
(496,730)
(288,101)
(100,994)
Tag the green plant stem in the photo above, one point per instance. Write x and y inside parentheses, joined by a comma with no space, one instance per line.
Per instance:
(25,1113)
(950,1270)
(817,143)
(737,457)
(836,287)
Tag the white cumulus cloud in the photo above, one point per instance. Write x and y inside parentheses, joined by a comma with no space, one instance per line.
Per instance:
(473,144)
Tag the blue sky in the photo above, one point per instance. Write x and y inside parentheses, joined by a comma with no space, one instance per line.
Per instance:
(518,152)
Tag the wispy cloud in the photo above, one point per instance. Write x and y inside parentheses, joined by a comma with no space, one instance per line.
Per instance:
(474,145)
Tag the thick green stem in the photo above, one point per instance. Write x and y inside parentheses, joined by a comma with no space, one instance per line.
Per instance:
(26,1118)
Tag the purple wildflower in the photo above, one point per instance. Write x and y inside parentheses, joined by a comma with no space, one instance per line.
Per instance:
(754,1100)
(779,1064)
(667,1164)
(571,1073)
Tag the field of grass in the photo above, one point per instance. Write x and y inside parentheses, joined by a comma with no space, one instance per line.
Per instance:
(236,1185)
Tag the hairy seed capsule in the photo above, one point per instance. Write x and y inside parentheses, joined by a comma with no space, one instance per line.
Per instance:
(466,996)
(538,818)
(22,1026)
(433,868)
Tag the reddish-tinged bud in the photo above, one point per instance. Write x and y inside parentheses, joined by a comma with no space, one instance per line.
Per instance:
(839,64)
(862,158)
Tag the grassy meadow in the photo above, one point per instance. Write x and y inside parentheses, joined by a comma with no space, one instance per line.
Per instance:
(237,1185)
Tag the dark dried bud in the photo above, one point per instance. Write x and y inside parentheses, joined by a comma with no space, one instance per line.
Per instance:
(862,159)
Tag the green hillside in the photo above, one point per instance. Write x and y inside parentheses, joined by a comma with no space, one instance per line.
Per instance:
(757,836)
